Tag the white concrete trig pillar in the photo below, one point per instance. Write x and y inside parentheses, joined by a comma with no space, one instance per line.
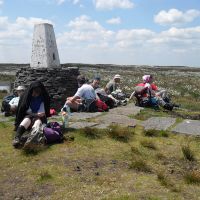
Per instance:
(44,48)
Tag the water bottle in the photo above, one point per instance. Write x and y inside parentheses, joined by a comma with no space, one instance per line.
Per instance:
(65,119)
(65,115)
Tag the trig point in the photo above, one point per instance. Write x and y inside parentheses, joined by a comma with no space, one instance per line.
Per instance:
(44,48)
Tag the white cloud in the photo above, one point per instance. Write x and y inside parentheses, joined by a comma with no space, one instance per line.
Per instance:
(1,2)
(86,40)
(76,2)
(176,17)
(111,4)
(116,20)
(17,37)
(59,2)
(84,30)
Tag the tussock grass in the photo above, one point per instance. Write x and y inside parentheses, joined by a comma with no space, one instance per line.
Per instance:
(92,133)
(119,133)
(140,165)
(192,177)
(165,181)
(148,144)
(188,153)
(156,133)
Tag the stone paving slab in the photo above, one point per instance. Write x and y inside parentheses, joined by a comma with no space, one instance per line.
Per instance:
(118,119)
(127,110)
(78,125)
(190,127)
(102,126)
(84,115)
(158,123)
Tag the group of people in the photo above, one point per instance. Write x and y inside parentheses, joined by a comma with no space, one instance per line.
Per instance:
(32,106)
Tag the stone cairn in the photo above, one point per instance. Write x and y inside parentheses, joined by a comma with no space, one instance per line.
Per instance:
(45,67)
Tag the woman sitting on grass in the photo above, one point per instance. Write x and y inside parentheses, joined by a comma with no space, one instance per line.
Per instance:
(33,109)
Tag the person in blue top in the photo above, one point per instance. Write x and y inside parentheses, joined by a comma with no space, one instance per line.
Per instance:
(33,109)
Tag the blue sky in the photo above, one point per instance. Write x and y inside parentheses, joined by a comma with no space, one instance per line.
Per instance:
(145,32)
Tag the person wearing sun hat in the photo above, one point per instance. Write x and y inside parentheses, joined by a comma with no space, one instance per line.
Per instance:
(14,102)
(10,107)
(113,84)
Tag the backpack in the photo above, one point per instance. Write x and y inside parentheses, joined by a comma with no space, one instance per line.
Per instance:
(101,106)
(107,100)
(53,133)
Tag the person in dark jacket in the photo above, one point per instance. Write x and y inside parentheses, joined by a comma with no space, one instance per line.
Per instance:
(33,109)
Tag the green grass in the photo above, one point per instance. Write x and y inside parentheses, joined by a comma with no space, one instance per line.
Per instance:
(117,163)
(188,153)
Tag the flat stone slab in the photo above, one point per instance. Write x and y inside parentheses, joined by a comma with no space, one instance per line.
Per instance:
(83,115)
(78,125)
(111,118)
(102,126)
(190,127)
(158,123)
(127,110)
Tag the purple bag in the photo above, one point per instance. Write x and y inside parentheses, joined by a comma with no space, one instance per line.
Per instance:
(53,133)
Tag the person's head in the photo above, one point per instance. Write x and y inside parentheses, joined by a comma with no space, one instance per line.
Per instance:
(36,92)
(117,78)
(20,90)
(147,79)
(96,81)
(36,88)
(81,80)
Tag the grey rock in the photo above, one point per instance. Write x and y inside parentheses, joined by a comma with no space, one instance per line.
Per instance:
(78,125)
(190,127)
(127,110)
(111,118)
(84,115)
(158,123)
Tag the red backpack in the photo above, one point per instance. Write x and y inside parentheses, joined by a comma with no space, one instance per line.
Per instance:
(101,106)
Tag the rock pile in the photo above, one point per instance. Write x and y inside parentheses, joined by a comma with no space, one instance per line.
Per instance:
(60,82)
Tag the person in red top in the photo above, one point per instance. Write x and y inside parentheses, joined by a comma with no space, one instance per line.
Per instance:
(151,96)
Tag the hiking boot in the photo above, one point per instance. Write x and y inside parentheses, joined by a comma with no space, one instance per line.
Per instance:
(168,106)
(16,142)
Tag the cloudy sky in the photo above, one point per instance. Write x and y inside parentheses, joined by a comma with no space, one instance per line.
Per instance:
(152,32)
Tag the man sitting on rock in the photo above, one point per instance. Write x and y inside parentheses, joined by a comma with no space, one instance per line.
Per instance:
(84,99)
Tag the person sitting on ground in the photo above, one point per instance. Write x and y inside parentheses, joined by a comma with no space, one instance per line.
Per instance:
(96,82)
(113,90)
(150,95)
(113,84)
(101,94)
(33,110)
(10,107)
(84,98)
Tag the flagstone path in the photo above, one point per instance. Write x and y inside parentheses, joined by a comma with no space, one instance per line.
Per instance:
(124,116)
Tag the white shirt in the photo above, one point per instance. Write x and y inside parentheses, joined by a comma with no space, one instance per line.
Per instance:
(14,101)
(86,92)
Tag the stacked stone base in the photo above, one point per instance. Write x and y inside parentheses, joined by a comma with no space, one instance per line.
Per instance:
(59,82)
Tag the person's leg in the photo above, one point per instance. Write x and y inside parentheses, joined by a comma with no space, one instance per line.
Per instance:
(20,130)
(73,104)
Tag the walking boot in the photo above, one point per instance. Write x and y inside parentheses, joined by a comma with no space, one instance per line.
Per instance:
(168,106)
(16,141)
